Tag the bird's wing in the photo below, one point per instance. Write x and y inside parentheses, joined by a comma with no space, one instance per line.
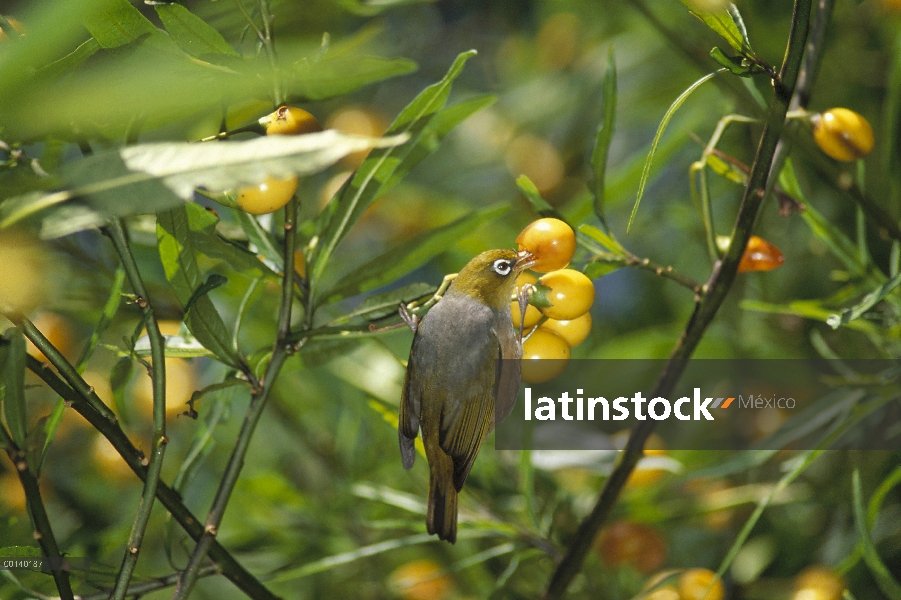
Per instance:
(408,414)
(509,369)
(467,417)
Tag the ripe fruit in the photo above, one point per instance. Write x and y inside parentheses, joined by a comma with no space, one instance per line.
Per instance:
(421,580)
(544,356)
(843,134)
(818,583)
(646,472)
(268,196)
(551,241)
(571,294)
(533,315)
(625,543)
(700,584)
(760,255)
(574,331)
(290,120)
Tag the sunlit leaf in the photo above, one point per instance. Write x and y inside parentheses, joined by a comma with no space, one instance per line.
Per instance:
(603,138)
(191,33)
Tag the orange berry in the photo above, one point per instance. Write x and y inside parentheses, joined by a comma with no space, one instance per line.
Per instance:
(626,543)
(700,584)
(571,295)
(422,580)
(268,196)
(290,120)
(843,134)
(551,241)
(544,356)
(574,331)
(760,255)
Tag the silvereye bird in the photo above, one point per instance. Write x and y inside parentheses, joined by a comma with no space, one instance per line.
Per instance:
(456,377)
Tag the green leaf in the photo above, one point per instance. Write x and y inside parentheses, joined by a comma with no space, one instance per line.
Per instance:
(599,267)
(603,138)
(722,23)
(14,386)
(382,168)
(208,242)
(737,65)
(115,23)
(809,309)
(869,301)
(884,579)
(70,61)
(539,204)
(726,169)
(375,7)
(191,33)
(335,76)
(409,255)
(153,177)
(660,129)
(179,257)
(262,240)
(604,239)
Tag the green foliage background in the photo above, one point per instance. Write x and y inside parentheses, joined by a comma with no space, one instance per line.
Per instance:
(323,507)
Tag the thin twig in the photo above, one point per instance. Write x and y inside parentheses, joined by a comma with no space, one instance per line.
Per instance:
(43,532)
(258,401)
(139,589)
(168,497)
(116,232)
(706,308)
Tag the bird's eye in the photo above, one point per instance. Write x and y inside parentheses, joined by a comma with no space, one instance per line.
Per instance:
(502,267)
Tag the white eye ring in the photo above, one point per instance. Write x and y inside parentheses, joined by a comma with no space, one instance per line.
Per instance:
(502,267)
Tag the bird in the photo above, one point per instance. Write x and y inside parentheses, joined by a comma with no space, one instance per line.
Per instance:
(462,374)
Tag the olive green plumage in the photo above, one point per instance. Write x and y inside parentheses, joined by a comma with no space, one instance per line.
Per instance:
(456,381)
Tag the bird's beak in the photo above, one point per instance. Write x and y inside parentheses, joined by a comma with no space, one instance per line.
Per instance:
(524,260)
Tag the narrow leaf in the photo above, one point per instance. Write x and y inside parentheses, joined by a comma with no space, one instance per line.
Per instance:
(153,177)
(371,178)
(179,258)
(666,119)
(722,23)
(191,33)
(115,23)
(884,579)
(409,255)
(869,301)
(603,138)
(539,204)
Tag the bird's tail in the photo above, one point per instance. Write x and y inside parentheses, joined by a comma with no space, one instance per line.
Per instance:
(442,515)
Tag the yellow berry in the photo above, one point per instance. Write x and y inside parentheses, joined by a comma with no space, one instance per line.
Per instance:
(843,134)
(571,295)
(700,584)
(533,315)
(574,331)
(544,356)
(818,583)
(290,120)
(551,241)
(268,196)
(181,381)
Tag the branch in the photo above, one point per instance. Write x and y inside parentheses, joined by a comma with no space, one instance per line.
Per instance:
(705,310)
(167,496)
(257,403)
(116,232)
(43,532)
